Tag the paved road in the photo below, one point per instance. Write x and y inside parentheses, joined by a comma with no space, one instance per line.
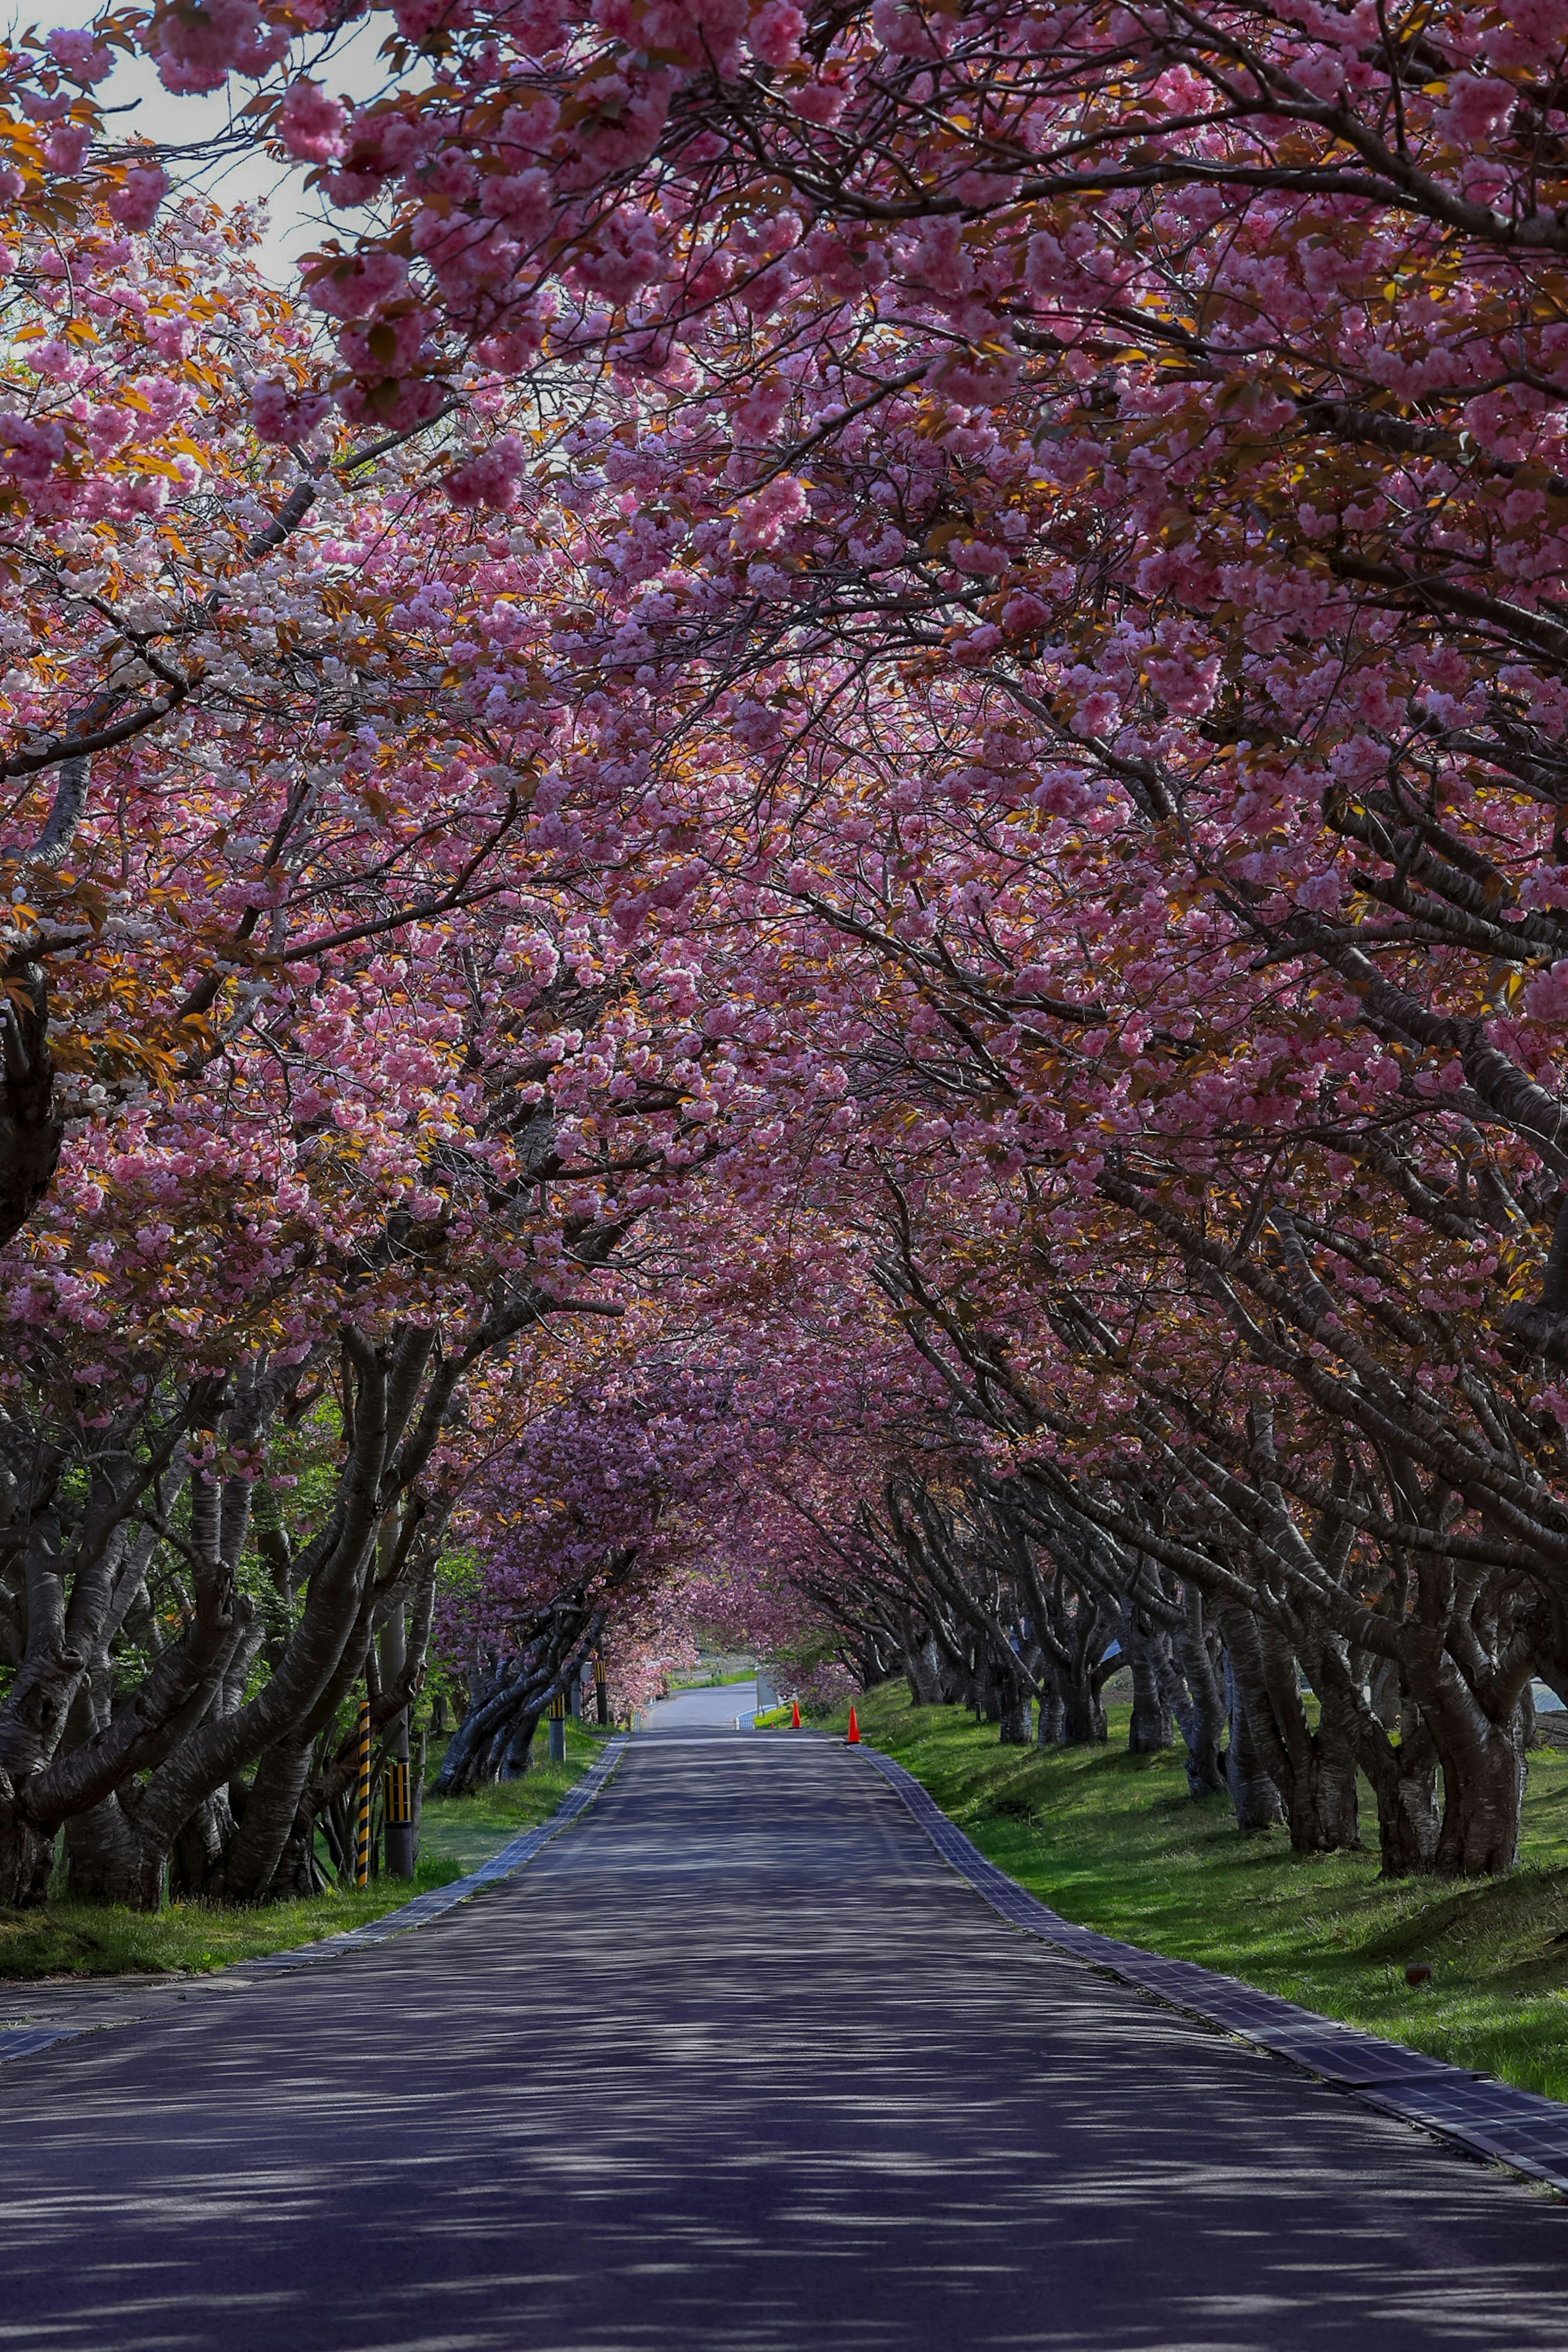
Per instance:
(709,1707)
(737,2064)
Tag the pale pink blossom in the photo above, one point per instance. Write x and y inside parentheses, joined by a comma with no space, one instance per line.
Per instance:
(310,124)
(134,204)
(773,33)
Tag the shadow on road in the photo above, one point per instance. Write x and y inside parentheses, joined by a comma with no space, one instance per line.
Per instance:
(736,2063)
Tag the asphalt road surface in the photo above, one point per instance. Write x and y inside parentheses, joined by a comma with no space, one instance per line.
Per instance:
(710,1707)
(737,2064)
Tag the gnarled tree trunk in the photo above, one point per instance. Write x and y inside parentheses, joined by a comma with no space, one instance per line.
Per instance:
(922,1671)
(1015,1713)
(26,1851)
(1482,1764)
(103,1860)
(1083,1712)
(1048,1726)
(1197,1703)
(1312,1770)
(1148,1651)
(1258,1802)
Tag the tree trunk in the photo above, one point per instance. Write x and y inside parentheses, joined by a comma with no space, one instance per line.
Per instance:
(1407,1819)
(1083,1715)
(923,1673)
(196,1855)
(26,1852)
(297,1874)
(1150,1729)
(1383,1730)
(1312,1772)
(103,1860)
(1199,1709)
(986,1685)
(1479,1740)
(1048,1727)
(262,1862)
(1015,1713)
(458,1772)
(1483,1788)
(519,1754)
(1383,1692)
(1258,1802)
(493,1740)
(1525,1727)
(1322,1812)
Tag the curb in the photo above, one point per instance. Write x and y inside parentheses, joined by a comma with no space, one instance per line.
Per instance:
(25,2041)
(1474,2113)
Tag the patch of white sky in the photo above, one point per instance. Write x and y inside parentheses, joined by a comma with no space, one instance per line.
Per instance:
(219,155)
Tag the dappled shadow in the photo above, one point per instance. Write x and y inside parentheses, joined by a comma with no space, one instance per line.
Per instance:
(736,2063)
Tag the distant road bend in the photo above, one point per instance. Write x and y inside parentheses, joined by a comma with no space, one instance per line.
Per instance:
(738,2063)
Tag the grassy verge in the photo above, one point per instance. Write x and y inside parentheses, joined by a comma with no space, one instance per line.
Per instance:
(462,1831)
(1114,1843)
(454,1836)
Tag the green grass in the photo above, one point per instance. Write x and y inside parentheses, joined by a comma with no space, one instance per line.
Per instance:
(773,1718)
(456,1835)
(1113,1841)
(463,1831)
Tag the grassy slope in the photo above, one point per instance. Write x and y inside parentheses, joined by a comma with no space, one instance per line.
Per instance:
(455,1837)
(1115,1842)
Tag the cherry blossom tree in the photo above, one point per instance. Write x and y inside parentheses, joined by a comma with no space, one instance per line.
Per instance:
(908,682)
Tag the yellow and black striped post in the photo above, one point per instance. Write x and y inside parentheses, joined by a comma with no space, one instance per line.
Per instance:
(398,1796)
(558,1729)
(600,1691)
(362,1830)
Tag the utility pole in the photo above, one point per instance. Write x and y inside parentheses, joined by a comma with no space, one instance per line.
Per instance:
(362,1809)
(600,1691)
(398,1811)
(558,1729)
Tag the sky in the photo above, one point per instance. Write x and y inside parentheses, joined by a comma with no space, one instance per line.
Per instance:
(297,223)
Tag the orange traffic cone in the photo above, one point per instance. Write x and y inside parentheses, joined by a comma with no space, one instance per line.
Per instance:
(852,1737)
(794,1714)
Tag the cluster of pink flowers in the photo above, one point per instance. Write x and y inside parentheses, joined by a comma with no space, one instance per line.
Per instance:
(854,744)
